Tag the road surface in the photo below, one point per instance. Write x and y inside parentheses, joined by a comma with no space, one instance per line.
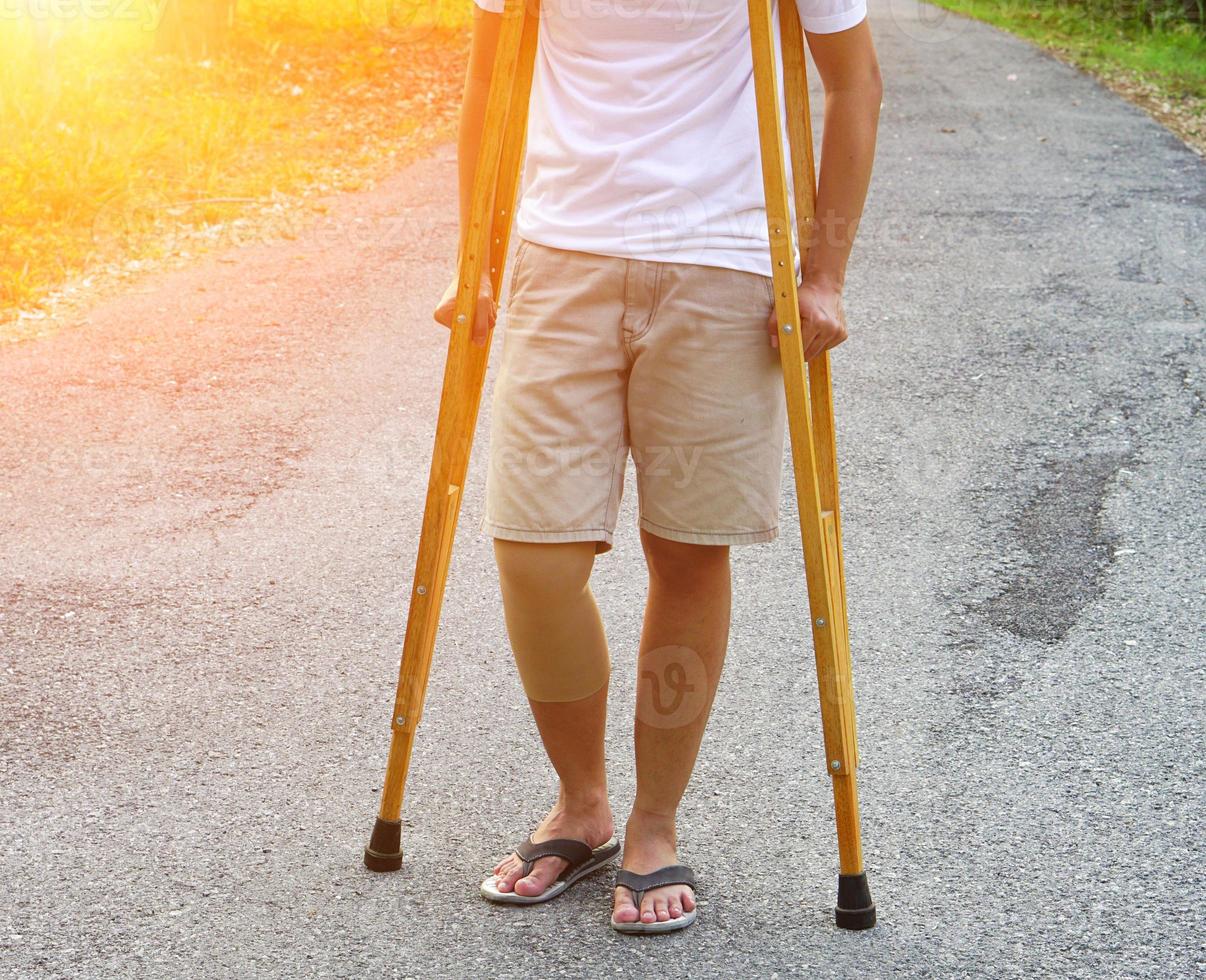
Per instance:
(210,493)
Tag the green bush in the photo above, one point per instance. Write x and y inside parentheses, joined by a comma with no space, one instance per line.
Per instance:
(1148,13)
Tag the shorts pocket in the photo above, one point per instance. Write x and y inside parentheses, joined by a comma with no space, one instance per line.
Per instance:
(519,253)
(769,283)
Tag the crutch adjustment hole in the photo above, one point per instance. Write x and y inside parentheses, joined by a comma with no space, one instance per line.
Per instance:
(820,620)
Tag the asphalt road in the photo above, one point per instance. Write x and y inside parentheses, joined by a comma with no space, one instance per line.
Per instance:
(210,495)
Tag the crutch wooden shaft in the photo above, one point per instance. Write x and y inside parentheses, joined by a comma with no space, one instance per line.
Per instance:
(494,189)
(820,385)
(810,422)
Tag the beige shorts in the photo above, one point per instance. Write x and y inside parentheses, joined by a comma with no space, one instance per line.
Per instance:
(672,362)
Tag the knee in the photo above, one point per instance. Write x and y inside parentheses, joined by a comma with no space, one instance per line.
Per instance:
(684,564)
(539,570)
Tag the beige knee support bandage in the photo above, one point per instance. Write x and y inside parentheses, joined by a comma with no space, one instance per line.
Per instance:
(553,623)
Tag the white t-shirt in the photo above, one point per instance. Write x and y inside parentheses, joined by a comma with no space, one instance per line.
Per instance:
(643,129)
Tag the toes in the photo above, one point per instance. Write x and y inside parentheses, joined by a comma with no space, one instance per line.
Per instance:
(543,875)
(505,879)
(658,906)
(625,911)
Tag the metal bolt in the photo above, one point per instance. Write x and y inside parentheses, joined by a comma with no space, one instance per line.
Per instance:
(460,318)
(422,590)
(820,620)
(401,720)
(787,328)
(835,765)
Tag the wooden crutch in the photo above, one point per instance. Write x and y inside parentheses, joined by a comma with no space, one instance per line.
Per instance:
(809,395)
(495,182)
(812,433)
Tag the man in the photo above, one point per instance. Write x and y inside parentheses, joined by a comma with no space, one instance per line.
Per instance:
(641,318)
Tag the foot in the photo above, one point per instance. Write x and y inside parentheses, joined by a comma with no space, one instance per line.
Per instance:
(590,822)
(650,843)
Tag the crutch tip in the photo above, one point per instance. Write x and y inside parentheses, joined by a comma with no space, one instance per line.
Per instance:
(855,909)
(384,851)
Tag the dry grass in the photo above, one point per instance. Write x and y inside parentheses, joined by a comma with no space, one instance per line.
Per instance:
(112,153)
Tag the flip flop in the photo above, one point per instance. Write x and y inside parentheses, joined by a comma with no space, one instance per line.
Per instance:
(582,861)
(672,874)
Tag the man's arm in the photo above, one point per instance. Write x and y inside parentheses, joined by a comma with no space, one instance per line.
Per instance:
(853,91)
(484,42)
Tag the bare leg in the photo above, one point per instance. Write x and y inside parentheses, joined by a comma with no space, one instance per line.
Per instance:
(682,652)
(561,653)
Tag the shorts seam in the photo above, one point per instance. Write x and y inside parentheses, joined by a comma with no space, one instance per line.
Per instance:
(653,301)
(548,530)
(615,459)
(683,530)
(625,343)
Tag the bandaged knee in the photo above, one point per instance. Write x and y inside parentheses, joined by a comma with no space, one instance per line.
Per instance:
(553,623)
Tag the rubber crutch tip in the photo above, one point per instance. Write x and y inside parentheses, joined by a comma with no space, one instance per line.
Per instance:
(855,909)
(384,851)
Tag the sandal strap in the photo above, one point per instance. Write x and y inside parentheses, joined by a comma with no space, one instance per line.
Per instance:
(672,874)
(576,852)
